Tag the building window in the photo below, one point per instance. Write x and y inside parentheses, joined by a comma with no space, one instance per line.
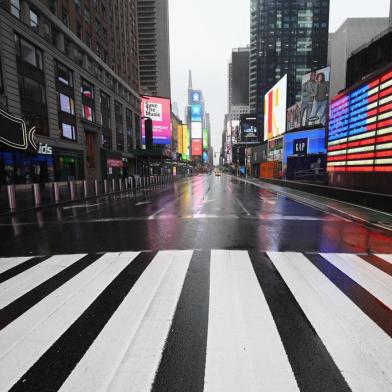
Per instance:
(15,8)
(119,125)
(28,52)
(88,112)
(87,89)
(31,90)
(64,16)
(34,18)
(66,104)
(105,110)
(52,6)
(68,131)
(64,75)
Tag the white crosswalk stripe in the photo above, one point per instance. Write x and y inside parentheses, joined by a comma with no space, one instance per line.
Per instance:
(244,348)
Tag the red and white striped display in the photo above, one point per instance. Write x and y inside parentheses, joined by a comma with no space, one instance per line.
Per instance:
(360,128)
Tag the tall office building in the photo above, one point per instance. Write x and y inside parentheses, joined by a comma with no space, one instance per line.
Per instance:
(352,34)
(287,37)
(238,82)
(70,69)
(154,50)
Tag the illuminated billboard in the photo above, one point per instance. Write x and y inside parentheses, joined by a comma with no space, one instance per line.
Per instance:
(205,156)
(196,130)
(185,142)
(196,97)
(205,139)
(248,128)
(275,107)
(196,113)
(360,128)
(197,150)
(158,109)
(179,138)
(312,110)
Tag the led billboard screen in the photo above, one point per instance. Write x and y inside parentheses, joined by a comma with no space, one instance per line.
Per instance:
(205,139)
(185,142)
(205,156)
(275,107)
(248,127)
(158,109)
(196,130)
(196,112)
(195,97)
(197,150)
(180,139)
(312,110)
(360,128)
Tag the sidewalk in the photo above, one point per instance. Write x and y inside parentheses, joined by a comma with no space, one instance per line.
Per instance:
(364,215)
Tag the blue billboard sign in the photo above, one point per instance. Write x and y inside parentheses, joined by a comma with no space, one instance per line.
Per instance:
(196,113)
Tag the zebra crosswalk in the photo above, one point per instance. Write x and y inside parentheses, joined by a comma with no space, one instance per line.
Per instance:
(185,320)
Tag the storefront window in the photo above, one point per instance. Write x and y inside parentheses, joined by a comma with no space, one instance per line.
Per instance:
(68,131)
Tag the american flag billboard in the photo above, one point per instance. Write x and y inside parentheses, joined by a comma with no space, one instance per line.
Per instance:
(360,128)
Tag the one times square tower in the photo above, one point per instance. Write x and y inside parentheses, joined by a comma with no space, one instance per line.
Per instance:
(287,37)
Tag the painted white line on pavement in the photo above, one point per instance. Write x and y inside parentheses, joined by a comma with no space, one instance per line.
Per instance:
(27,338)
(244,349)
(387,258)
(13,288)
(126,354)
(7,263)
(375,281)
(361,350)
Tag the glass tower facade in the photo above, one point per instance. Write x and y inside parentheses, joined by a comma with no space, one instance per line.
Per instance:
(287,37)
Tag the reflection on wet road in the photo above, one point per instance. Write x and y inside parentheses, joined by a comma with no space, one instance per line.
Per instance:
(204,212)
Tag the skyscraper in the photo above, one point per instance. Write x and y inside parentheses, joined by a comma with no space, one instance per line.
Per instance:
(287,37)
(154,50)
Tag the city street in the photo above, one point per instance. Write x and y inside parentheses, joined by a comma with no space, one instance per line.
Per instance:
(208,283)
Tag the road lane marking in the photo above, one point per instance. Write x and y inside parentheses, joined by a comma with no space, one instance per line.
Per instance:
(7,263)
(24,341)
(126,354)
(375,281)
(20,284)
(360,349)
(244,350)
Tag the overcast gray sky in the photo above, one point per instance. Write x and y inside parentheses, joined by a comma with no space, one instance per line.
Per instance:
(202,34)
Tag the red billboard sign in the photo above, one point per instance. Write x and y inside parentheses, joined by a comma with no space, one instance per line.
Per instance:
(197,147)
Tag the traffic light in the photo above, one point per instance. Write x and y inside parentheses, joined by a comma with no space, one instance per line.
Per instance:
(148,129)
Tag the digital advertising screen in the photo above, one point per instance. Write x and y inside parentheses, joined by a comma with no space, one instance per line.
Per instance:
(158,109)
(205,156)
(205,139)
(197,150)
(196,130)
(248,127)
(275,110)
(360,128)
(196,113)
(185,142)
(180,139)
(196,97)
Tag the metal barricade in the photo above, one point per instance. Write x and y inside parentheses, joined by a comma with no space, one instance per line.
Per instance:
(11,195)
(72,190)
(37,195)
(56,192)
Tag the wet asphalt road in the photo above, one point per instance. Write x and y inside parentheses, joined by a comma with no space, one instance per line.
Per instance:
(207,284)
(205,212)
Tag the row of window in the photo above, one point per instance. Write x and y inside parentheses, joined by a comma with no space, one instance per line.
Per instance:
(32,91)
(52,34)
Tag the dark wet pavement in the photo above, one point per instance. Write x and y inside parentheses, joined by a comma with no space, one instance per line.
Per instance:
(201,213)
